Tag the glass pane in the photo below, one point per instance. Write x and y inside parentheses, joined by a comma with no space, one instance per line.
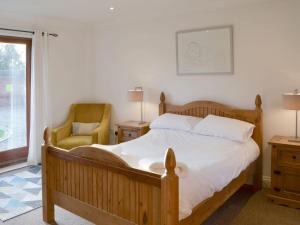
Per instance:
(12,96)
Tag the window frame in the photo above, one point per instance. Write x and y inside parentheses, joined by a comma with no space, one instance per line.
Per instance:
(12,156)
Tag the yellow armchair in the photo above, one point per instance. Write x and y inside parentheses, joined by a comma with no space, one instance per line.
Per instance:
(83,113)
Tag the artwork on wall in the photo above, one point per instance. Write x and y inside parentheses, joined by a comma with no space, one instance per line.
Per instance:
(205,51)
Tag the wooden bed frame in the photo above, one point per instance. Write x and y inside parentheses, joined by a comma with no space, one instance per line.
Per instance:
(105,190)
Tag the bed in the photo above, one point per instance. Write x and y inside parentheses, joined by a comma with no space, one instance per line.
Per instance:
(103,188)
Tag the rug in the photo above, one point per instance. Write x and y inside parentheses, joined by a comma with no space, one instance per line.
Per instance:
(20,192)
(260,211)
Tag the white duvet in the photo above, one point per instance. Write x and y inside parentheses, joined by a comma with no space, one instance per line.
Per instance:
(212,162)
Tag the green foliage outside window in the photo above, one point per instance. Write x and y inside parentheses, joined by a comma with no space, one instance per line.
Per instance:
(2,133)
(10,58)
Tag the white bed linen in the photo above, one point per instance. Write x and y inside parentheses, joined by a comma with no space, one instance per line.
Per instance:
(212,162)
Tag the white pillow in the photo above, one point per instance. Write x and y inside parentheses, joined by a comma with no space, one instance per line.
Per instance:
(175,122)
(223,127)
(84,128)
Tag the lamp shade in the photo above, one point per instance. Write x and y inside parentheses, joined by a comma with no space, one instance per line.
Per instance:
(136,95)
(291,101)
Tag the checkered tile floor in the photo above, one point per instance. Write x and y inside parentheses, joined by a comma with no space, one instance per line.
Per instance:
(20,192)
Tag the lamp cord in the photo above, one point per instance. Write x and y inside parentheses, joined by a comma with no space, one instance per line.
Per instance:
(142,112)
(296,124)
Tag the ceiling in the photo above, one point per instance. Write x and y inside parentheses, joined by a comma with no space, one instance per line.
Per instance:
(98,10)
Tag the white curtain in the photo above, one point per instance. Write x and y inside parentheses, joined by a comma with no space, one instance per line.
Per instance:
(40,115)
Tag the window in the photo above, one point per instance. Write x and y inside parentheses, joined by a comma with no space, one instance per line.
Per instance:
(15,71)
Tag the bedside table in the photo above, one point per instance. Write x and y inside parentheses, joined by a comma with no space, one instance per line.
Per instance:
(131,130)
(285,174)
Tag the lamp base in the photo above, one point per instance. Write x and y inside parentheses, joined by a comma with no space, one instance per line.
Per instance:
(295,139)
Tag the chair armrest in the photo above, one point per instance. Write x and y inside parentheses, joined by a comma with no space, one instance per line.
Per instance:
(61,132)
(64,130)
(101,134)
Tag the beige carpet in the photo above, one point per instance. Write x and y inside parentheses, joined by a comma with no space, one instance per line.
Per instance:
(231,209)
(260,211)
(242,209)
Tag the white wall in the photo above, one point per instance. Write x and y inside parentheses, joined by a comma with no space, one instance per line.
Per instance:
(142,53)
(69,73)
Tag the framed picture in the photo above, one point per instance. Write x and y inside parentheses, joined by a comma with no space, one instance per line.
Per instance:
(205,51)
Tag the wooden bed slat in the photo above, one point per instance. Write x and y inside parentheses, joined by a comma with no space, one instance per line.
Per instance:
(88,211)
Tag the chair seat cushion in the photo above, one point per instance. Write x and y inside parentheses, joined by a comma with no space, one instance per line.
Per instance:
(74,141)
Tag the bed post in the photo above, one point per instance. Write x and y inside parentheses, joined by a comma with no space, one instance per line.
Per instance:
(162,105)
(170,192)
(257,181)
(48,206)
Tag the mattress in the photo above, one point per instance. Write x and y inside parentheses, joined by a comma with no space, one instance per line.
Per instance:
(212,162)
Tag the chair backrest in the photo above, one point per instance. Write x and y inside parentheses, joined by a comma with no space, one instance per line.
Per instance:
(88,113)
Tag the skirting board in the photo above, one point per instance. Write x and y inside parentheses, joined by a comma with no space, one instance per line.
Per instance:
(266,182)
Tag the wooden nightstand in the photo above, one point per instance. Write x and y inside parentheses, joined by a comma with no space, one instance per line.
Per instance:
(285,172)
(131,130)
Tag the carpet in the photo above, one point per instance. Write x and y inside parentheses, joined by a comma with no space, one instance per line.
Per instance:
(231,209)
(20,192)
(260,211)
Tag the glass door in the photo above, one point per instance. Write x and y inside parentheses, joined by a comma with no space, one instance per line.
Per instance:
(15,70)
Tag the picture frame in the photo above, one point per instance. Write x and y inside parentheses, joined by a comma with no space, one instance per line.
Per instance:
(205,51)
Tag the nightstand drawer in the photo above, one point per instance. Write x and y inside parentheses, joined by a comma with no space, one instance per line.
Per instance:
(292,183)
(285,175)
(131,130)
(125,139)
(286,182)
(288,156)
(130,134)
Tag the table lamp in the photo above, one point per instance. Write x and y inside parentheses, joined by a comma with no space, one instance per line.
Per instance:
(136,95)
(291,101)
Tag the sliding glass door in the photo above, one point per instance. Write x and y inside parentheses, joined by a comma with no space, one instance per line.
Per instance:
(15,70)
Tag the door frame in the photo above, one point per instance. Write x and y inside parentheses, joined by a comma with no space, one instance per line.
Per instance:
(20,154)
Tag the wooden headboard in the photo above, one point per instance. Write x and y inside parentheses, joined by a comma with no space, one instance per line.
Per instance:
(204,108)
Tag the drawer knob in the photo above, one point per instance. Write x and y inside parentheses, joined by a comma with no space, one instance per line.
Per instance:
(277,172)
(129,134)
(294,157)
(276,189)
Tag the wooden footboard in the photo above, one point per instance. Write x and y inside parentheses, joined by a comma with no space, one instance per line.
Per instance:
(103,189)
